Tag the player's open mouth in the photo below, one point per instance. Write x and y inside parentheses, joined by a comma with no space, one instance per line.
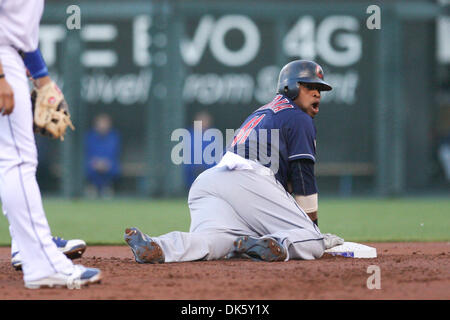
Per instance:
(315,105)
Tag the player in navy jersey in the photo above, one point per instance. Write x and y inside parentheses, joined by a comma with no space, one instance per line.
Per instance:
(243,207)
(293,145)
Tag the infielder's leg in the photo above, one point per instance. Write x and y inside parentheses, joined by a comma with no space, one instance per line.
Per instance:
(20,194)
(14,246)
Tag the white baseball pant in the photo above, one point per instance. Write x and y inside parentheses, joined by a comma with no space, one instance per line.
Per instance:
(19,191)
(225,204)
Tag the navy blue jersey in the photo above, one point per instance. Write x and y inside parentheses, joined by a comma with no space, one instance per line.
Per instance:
(275,134)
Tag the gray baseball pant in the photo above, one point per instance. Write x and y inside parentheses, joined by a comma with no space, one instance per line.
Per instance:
(225,204)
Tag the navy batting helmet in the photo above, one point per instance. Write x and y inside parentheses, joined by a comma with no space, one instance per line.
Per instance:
(299,71)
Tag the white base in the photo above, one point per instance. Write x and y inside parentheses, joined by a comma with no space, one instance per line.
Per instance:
(353,250)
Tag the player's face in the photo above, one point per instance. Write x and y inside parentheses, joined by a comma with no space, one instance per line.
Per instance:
(309,98)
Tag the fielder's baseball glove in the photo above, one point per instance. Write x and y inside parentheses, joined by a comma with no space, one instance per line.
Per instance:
(51,115)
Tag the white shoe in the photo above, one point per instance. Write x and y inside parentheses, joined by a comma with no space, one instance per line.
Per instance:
(73,249)
(79,277)
(16,261)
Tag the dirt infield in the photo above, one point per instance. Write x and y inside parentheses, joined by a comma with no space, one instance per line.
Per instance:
(408,271)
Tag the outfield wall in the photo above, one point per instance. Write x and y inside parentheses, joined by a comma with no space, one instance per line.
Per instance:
(152,65)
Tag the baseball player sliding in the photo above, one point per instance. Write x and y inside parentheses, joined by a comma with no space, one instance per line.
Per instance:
(42,257)
(243,207)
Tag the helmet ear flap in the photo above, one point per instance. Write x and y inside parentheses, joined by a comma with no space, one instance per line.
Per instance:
(291,90)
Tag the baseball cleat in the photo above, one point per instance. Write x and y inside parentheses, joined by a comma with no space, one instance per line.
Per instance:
(145,250)
(15,261)
(80,276)
(261,249)
(73,249)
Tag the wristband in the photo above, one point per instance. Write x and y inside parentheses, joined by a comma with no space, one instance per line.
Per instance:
(308,203)
(35,64)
